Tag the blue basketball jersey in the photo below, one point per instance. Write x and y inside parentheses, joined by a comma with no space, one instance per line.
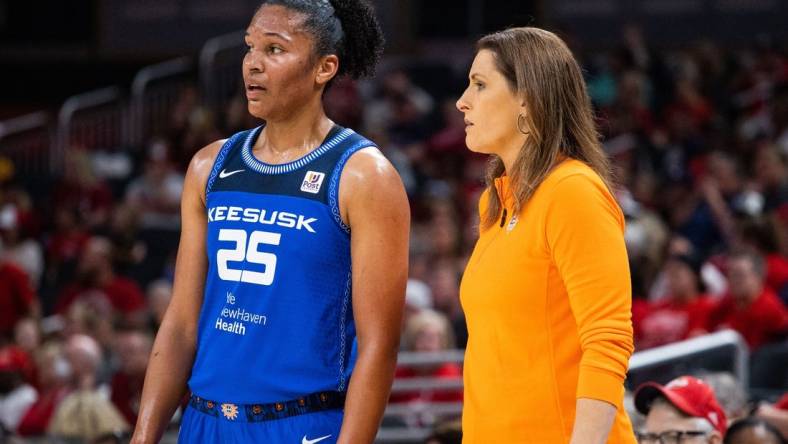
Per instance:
(276,321)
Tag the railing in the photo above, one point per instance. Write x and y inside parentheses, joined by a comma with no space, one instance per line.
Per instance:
(155,91)
(101,119)
(412,422)
(725,350)
(220,68)
(27,141)
(93,120)
(722,351)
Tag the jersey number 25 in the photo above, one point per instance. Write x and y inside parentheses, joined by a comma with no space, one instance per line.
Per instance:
(247,252)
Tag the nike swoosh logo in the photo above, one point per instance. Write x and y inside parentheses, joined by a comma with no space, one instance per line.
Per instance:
(313,441)
(224,174)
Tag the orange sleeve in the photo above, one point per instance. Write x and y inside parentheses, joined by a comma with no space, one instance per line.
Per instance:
(584,232)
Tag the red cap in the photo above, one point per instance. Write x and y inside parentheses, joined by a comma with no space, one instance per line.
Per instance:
(782,403)
(690,395)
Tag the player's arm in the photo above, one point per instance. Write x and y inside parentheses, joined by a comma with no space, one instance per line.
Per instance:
(173,351)
(376,209)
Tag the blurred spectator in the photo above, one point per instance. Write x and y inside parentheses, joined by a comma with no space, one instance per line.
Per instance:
(7,169)
(446,432)
(80,189)
(707,220)
(443,231)
(711,277)
(113,166)
(129,250)
(401,159)
(159,295)
(450,138)
(27,335)
(237,117)
(645,236)
(418,297)
(28,219)
(446,147)
(445,284)
(637,420)
(637,54)
(750,307)
(689,104)
(95,318)
(27,339)
(780,118)
(771,176)
(429,331)
(192,126)
(86,413)
(399,108)
(201,131)
(18,249)
(681,315)
(54,374)
(775,414)
(16,396)
(761,236)
(730,393)
(133,348)
(629,113)
(156,195)
(684,410)
(753,431)
(17,299)
(84,357)
(65,245)
(343,103)
(188,101)
(96,280)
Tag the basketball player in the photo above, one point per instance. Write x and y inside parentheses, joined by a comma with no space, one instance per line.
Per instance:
(292,264)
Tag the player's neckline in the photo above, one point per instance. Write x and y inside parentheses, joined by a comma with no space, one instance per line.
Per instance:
(266,168)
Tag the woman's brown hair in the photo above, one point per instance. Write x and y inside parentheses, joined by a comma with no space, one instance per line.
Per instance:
(541,70)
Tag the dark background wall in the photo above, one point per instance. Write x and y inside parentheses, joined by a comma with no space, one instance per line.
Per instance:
(671,22)
(50,50)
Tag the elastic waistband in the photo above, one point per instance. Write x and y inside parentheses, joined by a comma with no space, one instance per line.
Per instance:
(314,402)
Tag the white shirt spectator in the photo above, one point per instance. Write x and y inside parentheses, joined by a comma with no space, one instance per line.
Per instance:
(15,404)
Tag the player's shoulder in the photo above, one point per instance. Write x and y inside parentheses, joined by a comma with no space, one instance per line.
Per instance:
(200,167)
(368,168)
(372,189)
(204,158)
(367,159)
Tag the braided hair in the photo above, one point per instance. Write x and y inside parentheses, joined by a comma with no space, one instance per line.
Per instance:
(347,28)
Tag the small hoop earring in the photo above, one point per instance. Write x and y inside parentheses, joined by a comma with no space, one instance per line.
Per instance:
(521,124)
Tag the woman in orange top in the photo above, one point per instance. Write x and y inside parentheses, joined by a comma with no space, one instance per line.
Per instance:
(546,292)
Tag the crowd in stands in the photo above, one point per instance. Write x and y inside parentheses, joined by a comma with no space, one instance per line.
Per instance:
(698,137)
(687,410)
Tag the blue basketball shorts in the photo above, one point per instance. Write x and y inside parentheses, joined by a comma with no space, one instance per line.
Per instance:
(295,422)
